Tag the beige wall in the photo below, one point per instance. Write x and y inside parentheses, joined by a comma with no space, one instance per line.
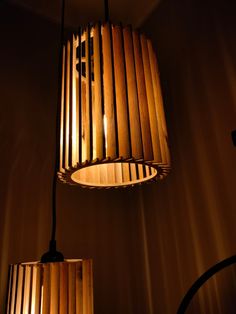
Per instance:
(148,244)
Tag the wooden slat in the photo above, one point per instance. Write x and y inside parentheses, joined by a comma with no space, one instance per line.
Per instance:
(35,294)
(108,89)
(54,288)
(142,97)
(87,287)
(46,290)
(159,104)
(67,105)
(79,288)
(14,269)
(125,172)
(70,147)
(10,281)
(63,288)
(103,174)
(157,99)
(27,288)
(80,95)
(121,93)
(74,109)
(62,111)
(134,117)
(71,288)
(151,102)
(133,172)
(88,112)
(19,289)
(98,95)
(118,173)
(140,171)
(110,174)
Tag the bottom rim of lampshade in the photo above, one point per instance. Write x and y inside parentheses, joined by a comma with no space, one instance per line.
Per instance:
(113,174)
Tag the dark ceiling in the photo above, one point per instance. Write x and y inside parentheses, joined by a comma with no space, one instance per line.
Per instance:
(80,12)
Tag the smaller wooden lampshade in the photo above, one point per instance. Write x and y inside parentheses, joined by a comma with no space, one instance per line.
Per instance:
(113,129)
(51,288)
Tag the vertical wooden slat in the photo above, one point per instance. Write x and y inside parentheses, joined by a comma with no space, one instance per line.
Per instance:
(125,172)
(103,174)
(159,103)
(54,288)
(27,290)
(98,95)
(70,128)
(62,111)
(19,289)
(133,172)
(35,294)
(9,293)
(140,171)
(79,288)
(142,98)
(121,95)
(79,68)
(67,106)
(88,112)
(118,173)
(151,102)
(110,174)
(63,288)
(157,106)
(108,89)
(13,289)
(87,287)
(74,110)
(71,288)
(134,117)
(46,289)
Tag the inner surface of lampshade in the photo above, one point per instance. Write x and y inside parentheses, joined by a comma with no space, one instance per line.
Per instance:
(111,109)
(114,174)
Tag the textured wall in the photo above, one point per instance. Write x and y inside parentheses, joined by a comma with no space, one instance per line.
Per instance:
(149,245)
(192,217)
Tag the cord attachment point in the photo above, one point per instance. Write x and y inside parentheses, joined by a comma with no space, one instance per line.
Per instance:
(52,255)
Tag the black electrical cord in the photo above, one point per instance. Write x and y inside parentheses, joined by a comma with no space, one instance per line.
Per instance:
(52,255)
(106,6)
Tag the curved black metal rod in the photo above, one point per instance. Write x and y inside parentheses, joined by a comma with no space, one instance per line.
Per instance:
(202,279)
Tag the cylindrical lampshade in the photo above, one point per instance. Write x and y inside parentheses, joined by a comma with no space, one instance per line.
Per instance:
(51,288)
(113,129)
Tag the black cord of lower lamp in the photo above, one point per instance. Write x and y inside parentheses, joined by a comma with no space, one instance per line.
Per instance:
(53,255)
(106,7)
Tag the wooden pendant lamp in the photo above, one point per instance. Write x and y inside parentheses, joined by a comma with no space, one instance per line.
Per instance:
(51,288)
(113,129)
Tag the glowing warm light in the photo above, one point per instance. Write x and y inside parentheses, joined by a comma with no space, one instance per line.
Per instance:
(113,129)
(62,287)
